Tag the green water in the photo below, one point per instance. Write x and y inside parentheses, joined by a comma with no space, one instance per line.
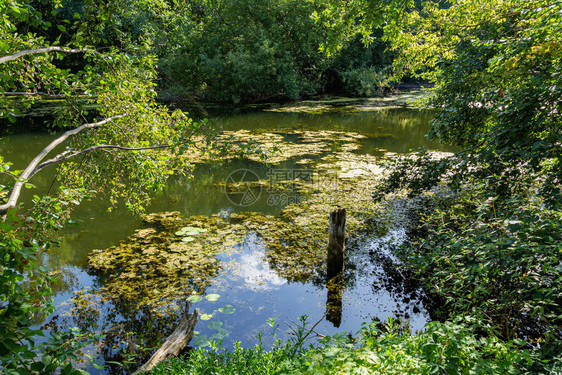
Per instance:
(246,281)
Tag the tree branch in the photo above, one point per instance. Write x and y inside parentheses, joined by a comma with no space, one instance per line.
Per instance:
(20,93)
(15,56)
(69,155)
(9,174)
(14,194)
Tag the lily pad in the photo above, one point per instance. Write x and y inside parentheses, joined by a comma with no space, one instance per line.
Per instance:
(214,325)
(227,309)
(206,316)
(201,341)
(223,331)
(190,231)
(195,298)
(220,334)
(212,297)
(188,239)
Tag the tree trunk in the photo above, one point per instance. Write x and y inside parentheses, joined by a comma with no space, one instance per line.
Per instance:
(334,300)
(336,245)
(174,344)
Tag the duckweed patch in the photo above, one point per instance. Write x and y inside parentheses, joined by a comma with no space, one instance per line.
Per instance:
(160,263)
(155,267)
(340,104)
(272,147)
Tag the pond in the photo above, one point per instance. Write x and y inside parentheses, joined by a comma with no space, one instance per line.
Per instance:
(262,234)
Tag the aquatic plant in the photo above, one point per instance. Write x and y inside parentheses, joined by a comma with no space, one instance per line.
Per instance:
(157,265)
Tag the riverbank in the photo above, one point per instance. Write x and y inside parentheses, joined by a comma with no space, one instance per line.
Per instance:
(37,116)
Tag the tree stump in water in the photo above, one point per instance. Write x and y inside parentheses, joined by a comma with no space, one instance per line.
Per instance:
(336,244)
(334,301)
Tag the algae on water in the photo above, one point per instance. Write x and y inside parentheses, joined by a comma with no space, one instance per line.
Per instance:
(156,266)
(174,256)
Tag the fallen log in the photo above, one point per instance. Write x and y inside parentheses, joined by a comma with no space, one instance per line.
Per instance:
(175,343)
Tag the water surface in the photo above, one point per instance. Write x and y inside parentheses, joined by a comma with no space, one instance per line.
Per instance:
(246,280)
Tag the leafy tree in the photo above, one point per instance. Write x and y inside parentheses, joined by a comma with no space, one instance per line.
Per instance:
(237,50)
(496,68)
(244,51)
(117,140)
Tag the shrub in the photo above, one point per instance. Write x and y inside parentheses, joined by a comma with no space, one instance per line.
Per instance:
(366,81)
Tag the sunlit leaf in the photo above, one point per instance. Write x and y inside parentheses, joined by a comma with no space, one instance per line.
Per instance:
(195,298)
(212,297)
(227,309)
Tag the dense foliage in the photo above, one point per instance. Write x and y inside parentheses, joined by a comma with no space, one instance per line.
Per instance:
(497,261)
(107,107)
(450,348)
(496,67)
(245,51)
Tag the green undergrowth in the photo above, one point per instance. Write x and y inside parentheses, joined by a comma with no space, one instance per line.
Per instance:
(221,361)
(496,259)
(444,348)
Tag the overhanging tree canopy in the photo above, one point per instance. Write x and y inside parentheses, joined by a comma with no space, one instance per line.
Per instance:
(496,66)
(106,96)
(117,140)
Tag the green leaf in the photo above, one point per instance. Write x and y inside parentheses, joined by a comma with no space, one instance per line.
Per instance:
(212,297)
(214,325)
(37,366)
(201,341)
(220,334)
(227,309)
(195,298)
(190,231)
